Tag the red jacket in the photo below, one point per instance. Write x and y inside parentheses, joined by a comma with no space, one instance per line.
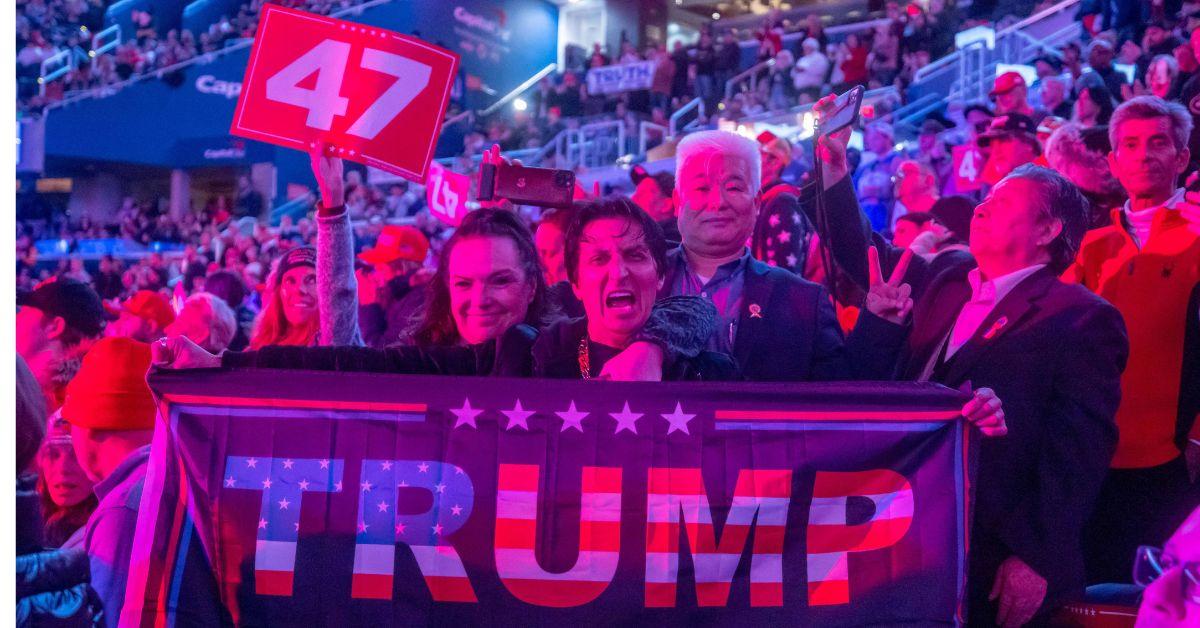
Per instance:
(1150,287)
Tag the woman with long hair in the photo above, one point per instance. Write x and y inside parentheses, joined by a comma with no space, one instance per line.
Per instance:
(1093,107)
(488,279)
(65,490)
(290,315)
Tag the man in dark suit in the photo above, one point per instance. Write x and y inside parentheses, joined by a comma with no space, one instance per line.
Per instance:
(999,317)
(777,326)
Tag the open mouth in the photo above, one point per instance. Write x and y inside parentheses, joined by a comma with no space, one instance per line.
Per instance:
(619,299)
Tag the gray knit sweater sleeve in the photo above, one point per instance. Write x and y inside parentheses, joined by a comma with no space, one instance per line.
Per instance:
(337,296)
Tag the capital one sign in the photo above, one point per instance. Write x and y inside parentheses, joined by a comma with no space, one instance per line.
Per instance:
(374,96)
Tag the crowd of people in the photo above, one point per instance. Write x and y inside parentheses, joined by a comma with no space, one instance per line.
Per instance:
(48,27)
(1060,279)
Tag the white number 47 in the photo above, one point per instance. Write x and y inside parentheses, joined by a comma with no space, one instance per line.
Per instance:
(324,101)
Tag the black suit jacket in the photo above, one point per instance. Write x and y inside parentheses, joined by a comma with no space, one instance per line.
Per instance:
(787,329)
(1054,354)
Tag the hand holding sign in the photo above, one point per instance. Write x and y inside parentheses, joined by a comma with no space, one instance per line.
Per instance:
(375,96)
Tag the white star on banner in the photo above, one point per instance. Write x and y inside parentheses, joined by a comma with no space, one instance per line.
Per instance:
(366,486)
(399,528)
(791,260)
(324,464)
(382,506)
(262,524)
(437,529)
(266,483)
(423,467)
(252,463)
(439,488)
(456,510)
(785,236)
(284,503)
(387,465)
(337,487)
(518,417)
(304,485)
(678,420)
(626,419)
(287,464)
(229,481)
(572,418)
(773,220)
(466,414)
(362,526)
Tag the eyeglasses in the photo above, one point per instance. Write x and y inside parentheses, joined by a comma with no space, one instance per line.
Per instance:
(1150,564)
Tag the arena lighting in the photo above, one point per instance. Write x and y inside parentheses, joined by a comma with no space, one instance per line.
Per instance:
(519,104)
(716,16)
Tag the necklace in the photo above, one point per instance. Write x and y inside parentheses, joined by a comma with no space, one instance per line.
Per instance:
(585,367)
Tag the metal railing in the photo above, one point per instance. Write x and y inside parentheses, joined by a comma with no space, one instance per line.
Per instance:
(108,90)
(644,130)
(696,103)
(520,89)
(750,73)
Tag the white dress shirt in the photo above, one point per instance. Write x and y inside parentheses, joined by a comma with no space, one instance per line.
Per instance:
(984,297)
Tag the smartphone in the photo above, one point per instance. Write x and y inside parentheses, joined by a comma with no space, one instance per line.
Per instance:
(845,111)
(540,187)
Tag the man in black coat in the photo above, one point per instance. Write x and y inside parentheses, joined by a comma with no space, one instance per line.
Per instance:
(777,326)
(999,317)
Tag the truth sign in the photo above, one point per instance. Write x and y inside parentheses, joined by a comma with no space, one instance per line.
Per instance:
(376,97)
(305,498)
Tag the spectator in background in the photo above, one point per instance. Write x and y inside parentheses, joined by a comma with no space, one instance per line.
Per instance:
(729,59)
(1100,59)
(664,77)
(249,201)
(852,59)
(111,412)
(1093,106)
(679,76)
(290,314)
(916,189)
(770,38)
(1162,77)
(909,226)
(231,289)
(384,309)
(206,320)
(56,325)
(783,235)
(880,157)
(654,194)
(705,63)
(143,317)
(884,60)
(808,75)
(1009,93)
(598,58)
(108,281)
(1081,155)
(1053,95)
(65,490)
(781,91)
(931,151)
(1145,264)
(1011,142)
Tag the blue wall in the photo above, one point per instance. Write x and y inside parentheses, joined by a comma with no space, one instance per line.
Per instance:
(186,124)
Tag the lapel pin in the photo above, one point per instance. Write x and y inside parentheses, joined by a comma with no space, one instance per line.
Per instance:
(755,311)
(996,327)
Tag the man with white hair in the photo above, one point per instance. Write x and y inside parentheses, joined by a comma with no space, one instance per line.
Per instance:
(207,321)
(811,68)
(778,326)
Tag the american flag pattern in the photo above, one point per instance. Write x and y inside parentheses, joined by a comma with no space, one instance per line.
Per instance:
(357,499)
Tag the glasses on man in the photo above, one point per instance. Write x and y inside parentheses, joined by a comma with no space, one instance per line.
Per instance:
(1150,564)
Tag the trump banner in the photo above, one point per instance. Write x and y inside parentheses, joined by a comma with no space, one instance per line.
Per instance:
(610,79)
(313,498)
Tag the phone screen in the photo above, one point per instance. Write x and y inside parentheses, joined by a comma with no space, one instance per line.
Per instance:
(845,112)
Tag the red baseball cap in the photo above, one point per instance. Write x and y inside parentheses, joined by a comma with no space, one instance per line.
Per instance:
(395,243)
(151,306)
(109,392)
(1006,82)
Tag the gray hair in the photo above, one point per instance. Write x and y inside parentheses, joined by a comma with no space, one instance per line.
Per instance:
(1149,107)
(222,323)
(724,142)
(1061,200)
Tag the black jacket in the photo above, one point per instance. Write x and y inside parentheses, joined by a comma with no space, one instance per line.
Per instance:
(52,589)
(787,329)
(1053,353)
(680,325)
(556,355)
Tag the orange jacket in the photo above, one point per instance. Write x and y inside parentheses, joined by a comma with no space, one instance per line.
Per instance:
(1150,287)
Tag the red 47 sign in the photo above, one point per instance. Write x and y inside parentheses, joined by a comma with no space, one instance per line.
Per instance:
(374,96)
